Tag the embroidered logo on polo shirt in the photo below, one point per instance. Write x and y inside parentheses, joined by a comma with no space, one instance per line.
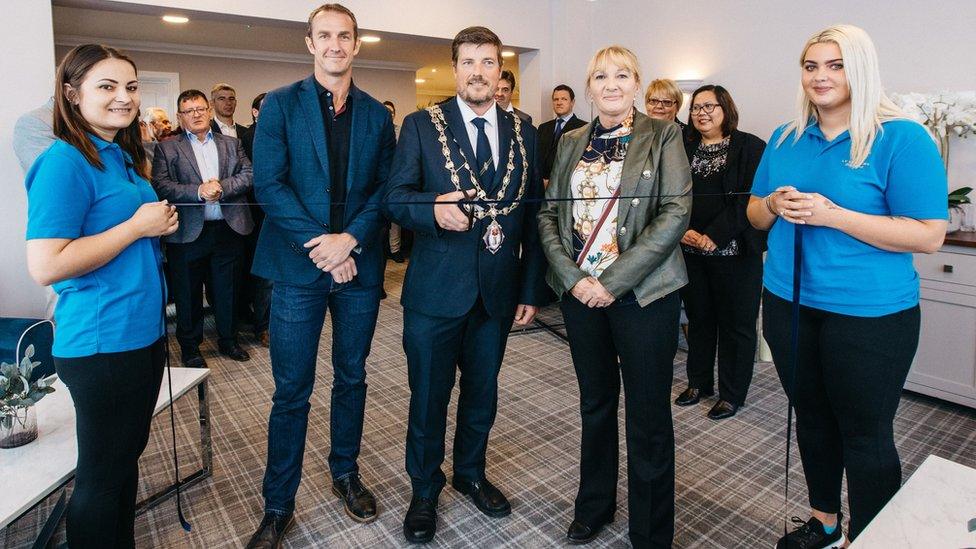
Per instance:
(847,163)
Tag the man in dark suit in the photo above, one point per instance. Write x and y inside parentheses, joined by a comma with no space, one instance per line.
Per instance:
(467,280)
(255,307)
(503,96)
(563,101)
(211,170)
(322,156)
(224,100)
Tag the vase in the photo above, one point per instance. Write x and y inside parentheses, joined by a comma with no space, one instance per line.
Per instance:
(18,428)
(955,219)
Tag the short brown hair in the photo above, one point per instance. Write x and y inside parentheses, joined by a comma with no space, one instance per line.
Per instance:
(730,120)
(337,8)
(509,77)
(222,86)
(68,123)
(477,36)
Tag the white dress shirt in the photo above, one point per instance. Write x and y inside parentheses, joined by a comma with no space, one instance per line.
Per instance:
(230,130)
(209,165)
(491,128)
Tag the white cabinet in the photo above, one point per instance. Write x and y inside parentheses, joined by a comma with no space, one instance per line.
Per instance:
(945,364)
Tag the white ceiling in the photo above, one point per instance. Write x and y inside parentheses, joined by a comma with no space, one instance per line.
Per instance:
(275,40)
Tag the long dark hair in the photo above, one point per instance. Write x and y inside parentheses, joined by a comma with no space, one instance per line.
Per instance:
(71,126)
(730,113)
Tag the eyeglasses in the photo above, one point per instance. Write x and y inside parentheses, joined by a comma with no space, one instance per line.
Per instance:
(707,108)
(666,103)
(196,111)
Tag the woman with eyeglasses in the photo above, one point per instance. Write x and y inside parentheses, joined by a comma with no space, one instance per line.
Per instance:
(865,188)
(93,228)
(663,100)
(722,252)
(614,260)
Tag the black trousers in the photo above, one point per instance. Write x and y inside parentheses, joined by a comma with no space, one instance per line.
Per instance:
(848,382)
(436,349)
(638,344)
(722,304)
(219,252)
(114,395)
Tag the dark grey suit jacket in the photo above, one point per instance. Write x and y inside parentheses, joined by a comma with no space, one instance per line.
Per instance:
(176,177)
(523,115)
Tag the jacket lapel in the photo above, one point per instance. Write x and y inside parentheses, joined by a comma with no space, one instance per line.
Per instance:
(357,137)
(458,132)
(506,133)
(638,152)
(191,158)
(316,126)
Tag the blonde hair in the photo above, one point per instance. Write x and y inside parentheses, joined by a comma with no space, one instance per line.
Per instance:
(869,104)
(219,88)
(667,87)
(619,56)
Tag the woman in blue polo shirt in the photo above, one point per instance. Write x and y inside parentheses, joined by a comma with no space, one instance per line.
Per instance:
(866,188)
(93,228)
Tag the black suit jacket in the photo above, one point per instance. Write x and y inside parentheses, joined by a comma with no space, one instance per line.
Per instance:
(745,151)
(547,145)
(216,128)
(449,270)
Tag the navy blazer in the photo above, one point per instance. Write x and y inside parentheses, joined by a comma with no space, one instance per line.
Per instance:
(291,181)
(448,269)
(176,177)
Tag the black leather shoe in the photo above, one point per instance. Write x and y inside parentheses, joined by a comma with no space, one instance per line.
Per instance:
(581,534)
(488,499)
(357,499)
(235,353)
(691,396)
(722,410)
(192,358)
(271,531)
(420,524)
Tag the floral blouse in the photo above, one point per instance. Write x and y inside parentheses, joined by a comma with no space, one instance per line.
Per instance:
(595,184)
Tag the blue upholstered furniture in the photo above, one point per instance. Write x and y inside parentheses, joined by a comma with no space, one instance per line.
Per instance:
(16,334)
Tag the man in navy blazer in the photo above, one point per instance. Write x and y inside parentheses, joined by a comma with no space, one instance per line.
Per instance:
(322,155)
(475,267)
(210,172)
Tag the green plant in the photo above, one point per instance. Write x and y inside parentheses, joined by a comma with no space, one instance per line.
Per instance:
(17,392)
(959,196)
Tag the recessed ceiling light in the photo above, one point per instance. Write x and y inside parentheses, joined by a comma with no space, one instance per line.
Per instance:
(178,19)
(370,39)
(420,80)
(433,70)
(507,53)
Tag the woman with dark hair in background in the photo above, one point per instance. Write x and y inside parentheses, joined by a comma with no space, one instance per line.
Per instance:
(93,228)
(723,253)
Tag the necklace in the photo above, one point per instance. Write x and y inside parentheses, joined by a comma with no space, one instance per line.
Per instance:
(494,236)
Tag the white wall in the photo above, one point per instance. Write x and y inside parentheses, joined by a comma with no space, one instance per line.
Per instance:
(28,45)
(250,77)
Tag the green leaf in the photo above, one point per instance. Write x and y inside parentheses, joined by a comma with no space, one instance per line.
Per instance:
(29,352)
(961,191)
(8,370)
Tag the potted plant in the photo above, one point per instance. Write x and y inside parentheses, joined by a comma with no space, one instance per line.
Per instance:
(18,395)
(957,198)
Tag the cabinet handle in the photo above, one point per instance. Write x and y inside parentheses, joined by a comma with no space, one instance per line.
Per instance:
(947,268)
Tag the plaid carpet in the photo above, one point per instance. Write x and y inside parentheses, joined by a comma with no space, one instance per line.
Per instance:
(729,474)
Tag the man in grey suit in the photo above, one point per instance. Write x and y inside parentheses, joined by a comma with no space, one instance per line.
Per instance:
(208,175)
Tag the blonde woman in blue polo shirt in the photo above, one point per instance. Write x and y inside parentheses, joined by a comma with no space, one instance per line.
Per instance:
(867,188)
(93,228)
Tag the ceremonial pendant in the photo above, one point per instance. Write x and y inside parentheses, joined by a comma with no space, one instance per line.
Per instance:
(493,237)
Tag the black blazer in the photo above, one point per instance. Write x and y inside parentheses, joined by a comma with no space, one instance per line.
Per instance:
(745,151)
(547,145)
(216,128)
(449,270)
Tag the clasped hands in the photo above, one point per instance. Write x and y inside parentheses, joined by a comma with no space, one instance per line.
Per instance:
(802,208)
(591,293)
(210,190)
(330,253)
(449,216)
(698,240)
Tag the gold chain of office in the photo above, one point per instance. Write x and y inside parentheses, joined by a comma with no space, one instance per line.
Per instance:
(437,117)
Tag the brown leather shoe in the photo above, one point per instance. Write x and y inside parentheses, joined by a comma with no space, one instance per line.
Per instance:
(265,339)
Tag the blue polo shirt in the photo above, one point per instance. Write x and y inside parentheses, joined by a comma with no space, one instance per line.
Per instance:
(117,307)
(903,176)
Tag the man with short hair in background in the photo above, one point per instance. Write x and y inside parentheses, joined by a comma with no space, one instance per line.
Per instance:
(563,101)
(504,93)
(224,100)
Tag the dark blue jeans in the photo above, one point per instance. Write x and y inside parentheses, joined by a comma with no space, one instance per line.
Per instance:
(297,316)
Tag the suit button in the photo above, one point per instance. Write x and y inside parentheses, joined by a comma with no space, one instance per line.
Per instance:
(635,202)
(646,174)
(623,230)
